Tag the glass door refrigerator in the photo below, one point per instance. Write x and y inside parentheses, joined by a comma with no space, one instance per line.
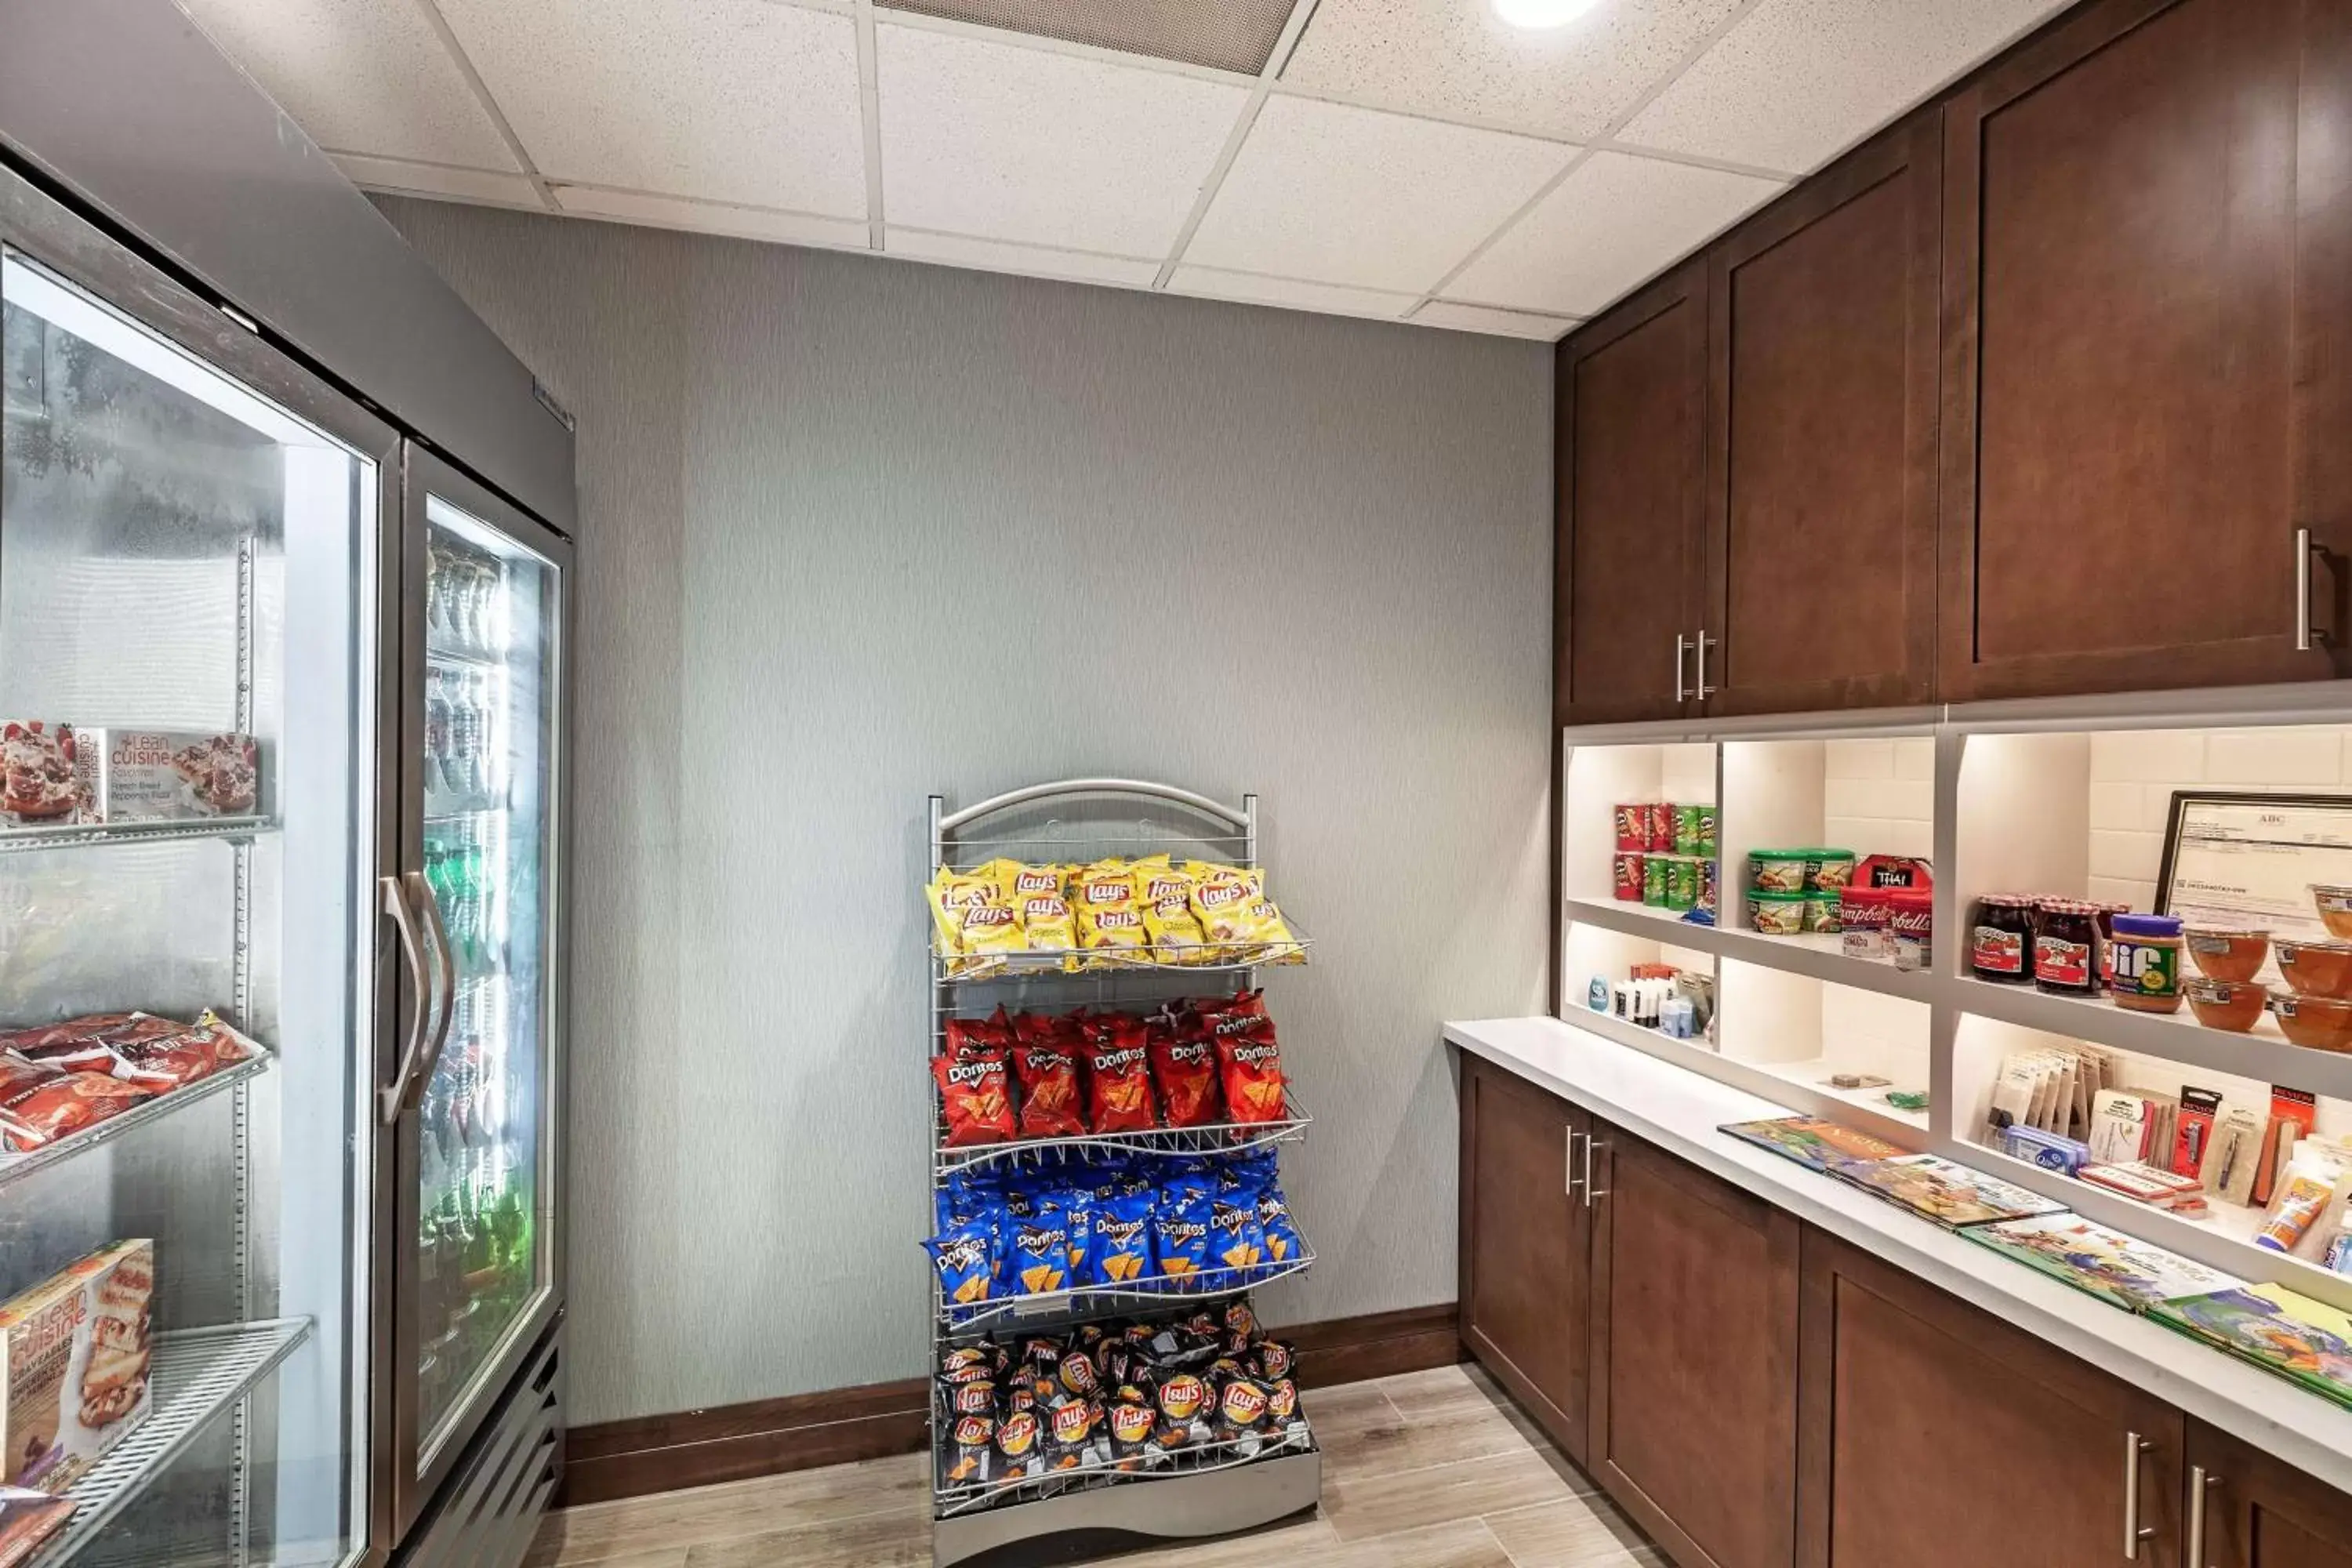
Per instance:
(279,1078)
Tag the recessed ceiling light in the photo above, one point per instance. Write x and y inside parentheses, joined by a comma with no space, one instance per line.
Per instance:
(1534,13)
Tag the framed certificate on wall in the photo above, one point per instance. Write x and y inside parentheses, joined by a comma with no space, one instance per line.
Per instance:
(2251,859)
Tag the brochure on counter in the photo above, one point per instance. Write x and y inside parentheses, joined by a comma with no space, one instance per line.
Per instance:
(2276,1330)
(2121,1269)
(1810,1140)
(1934,1188)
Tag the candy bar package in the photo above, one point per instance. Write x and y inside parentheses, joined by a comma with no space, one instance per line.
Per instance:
(171,775)
(78,1354)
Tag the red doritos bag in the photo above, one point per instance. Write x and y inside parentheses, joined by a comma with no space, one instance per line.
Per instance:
(1119,1075)
(1252,1065)
(1050,1106)
(975,1097)
(1184,1068)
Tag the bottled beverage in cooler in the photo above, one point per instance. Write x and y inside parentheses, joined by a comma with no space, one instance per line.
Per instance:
(436,735)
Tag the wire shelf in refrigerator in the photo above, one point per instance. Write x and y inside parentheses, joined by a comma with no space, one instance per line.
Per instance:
(1226,1138)
(1200,1458)
(1202,958)
(15,1168)
(76,835)
(1161,1290)
(197,1375)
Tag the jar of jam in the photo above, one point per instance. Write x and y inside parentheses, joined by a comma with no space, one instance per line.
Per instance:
(2066,948)
(2106,915)
(2001,939)
(2144,963)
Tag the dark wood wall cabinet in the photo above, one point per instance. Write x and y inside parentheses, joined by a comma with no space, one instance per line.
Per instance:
(1758,1394)
(2042,392)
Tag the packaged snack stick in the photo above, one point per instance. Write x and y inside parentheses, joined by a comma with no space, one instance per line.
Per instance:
(1118,1078)
(1251,1066)
(1049,1092)
(1185,1071)
(975,1097)
(1111,927)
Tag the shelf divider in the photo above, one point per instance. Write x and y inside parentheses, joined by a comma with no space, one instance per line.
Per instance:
(1819,957)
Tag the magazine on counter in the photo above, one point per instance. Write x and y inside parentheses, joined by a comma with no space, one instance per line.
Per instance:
(1811,1140)
(1938,1189)
(2118,1269)
(2275,1329)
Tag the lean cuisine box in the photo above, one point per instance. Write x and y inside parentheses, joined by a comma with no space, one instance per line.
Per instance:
(78,1352)
(60,773)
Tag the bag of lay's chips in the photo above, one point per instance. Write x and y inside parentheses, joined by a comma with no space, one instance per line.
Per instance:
(1038,899)
(1222,896)
(991,934)
(949,894)
(1110,928)
(1163,898)
(1277,943)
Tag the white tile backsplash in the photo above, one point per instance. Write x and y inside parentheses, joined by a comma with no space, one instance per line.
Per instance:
(2149,756)
(2132,856)
(2275,757)
(1915,758)
(1871,759)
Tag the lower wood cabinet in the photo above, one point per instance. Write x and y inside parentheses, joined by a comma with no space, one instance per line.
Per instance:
(2256,1512)
(1694,1301)
(1524,1270)
(1936,1436)
(1758,1394)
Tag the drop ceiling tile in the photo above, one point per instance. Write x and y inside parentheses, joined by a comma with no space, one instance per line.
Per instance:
(1041,148)
(727,100)
(1235,36)
(1797,81)
(1485,319)
(710,217)
(1457,58)
(1615,222)
(434,180)
(1329,299)
(1360,197)
(359,76)
(1031,261)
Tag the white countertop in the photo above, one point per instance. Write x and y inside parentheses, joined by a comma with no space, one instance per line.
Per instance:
(1679,1111)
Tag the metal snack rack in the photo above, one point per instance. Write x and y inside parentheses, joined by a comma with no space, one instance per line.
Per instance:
(1212,1489)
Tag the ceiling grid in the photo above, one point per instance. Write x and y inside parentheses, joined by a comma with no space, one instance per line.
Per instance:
(1412,159)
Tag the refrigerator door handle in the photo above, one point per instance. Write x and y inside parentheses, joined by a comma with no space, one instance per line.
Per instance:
(431,903)
(404,919)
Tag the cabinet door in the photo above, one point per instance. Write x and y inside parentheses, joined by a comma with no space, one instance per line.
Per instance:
(2260,1513)
(2144,337)
(1694,1357)
(1630,498)
(1822,440)
(1937,1436)
(1523,1264)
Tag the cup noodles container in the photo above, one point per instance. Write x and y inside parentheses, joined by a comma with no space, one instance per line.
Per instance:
(1631,879)
(48,774)
(173,775)
(78,1357)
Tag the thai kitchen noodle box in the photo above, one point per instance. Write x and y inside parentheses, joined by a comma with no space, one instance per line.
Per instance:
(79,1352)
(171,775)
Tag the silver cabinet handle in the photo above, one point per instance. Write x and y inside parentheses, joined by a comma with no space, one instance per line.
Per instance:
(1571,1161)
(2199,1484)
(390,1099)
(1704,690)
(1681,651)
(2304,637)
(1590,1143)
(2135,1448)
(431,903)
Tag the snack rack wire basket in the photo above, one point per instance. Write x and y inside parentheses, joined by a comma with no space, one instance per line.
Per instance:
(1212,1489)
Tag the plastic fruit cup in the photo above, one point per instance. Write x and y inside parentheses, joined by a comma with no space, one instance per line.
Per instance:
(2334,902)
(2232,1005)
(2228,953)
(2320,1022)
(2317,968)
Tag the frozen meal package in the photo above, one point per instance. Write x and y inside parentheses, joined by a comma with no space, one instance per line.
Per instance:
(171,776)
(77,1353)
(28,1518)
(48,774)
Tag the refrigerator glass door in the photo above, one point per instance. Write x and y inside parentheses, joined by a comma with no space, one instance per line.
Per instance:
(190,829)
(481,1271)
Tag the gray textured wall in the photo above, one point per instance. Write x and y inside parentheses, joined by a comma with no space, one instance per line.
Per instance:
(855,530)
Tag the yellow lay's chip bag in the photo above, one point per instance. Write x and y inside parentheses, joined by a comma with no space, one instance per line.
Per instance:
(1221,897)
(990,932)
(1164,897)
(1276,943)
(949,894)
(1111,927)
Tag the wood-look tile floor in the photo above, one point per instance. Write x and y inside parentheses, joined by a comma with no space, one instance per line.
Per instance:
(1432,1469)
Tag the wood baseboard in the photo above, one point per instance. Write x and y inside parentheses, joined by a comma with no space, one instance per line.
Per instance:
(646,1453)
